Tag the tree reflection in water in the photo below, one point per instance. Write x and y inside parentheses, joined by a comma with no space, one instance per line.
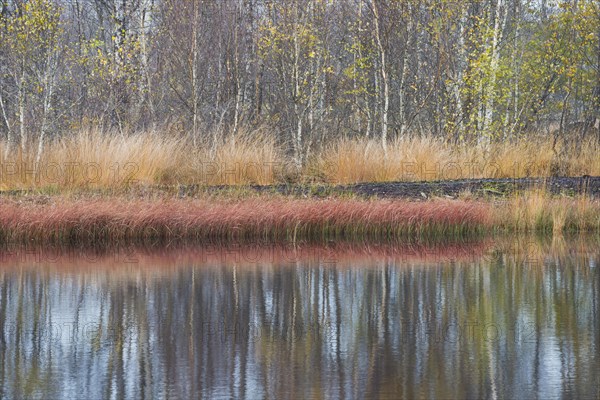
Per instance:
(477,320)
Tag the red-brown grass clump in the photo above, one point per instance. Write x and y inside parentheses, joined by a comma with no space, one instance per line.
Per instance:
(271,219)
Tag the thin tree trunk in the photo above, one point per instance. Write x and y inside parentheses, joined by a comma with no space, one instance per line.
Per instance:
(9,133)
(460,76)
(248,101)
(239,95)
(298,143)
(384,79)
(194,66)
(376,101)
(145,90)
(22,127)
(298,114)
(402,85)
(494,61)
(597,94)
(513,104)
(48,91)
(48,80)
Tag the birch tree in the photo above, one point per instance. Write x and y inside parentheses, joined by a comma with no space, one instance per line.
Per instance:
(31,58)
(293,48)
(385,93)
(500,18)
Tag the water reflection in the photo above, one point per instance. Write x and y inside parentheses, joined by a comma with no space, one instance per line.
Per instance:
(494,319)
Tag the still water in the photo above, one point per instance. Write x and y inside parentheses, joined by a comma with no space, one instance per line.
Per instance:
(495,319)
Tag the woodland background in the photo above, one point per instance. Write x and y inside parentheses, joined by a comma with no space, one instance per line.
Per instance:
(308,70)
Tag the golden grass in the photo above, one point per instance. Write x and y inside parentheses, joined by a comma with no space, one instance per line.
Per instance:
(91,159)
(428,158)
(539,211)
(244,158)
(360,160)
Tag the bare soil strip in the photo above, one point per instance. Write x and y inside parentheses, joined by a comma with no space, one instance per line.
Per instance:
(566,186)
(586,185)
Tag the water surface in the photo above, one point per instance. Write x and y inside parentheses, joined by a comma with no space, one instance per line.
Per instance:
(495,319)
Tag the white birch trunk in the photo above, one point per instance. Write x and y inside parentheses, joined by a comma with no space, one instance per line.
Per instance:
(384,79)
(499,24)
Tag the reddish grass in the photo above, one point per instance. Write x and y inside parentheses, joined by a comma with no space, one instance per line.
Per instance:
(131,262)
(159,260)
(115,220)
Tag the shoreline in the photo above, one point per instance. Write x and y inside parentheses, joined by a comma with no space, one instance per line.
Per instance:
(569,186)
(272,218)
(419,190)
(528,249)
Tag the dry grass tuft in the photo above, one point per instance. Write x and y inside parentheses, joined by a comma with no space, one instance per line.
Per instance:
(361,160)
(428,158)
(245,158)
(539,211)
(91,159)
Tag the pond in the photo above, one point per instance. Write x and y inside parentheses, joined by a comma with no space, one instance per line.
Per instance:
(497,319)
